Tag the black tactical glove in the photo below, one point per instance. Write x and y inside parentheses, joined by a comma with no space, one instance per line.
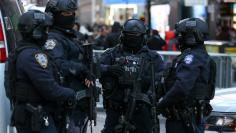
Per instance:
(115,71)
(77,69)
(81,71)
(88,75)
(207,109)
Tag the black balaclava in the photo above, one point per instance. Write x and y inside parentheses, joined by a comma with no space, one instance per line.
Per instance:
(133,43)
(65,22)
(185,41)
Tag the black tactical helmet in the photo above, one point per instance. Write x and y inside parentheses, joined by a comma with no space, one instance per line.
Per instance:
(63,12)
(191,31)
(134,26)
(133,33)
(33,24)
(54,6)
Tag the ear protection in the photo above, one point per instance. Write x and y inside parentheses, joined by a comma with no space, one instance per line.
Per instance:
(38,33)
(198,36)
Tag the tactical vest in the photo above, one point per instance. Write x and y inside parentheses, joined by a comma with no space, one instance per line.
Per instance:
(19,90)
(120,89)
(200,91)
(131,65)
(71,81)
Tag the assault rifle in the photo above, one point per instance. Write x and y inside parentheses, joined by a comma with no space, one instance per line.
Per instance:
(93,90)
(155,120)
(125,125)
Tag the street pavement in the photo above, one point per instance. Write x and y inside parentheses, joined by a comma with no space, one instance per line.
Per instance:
(101,119)
(101,116)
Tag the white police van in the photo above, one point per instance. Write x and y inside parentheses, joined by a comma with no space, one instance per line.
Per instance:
(10,10)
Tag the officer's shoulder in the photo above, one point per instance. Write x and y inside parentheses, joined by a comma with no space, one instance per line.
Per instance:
(152,53)
(51,43)
(28,49)
(199,53)
(202,55)
(28,53)
(55,36)
(190,56)
(53,40)
(33,55)
(187,52)
(111,50)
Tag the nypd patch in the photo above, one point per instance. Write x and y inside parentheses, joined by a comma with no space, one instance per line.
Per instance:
(42,59)
(188,59)
(50,44)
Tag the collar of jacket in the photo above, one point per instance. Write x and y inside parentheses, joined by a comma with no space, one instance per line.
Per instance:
(67,32)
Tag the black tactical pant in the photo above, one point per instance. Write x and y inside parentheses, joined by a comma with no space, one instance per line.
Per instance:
(80,119)
(45,129)
(141,119)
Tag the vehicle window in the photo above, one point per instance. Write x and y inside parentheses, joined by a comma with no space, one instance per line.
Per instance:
(11,10)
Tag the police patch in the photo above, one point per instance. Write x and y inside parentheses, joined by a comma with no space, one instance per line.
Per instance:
(42,59)
(50,44)
(188,59)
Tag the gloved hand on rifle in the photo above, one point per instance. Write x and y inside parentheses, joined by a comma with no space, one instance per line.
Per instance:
(89,78)
(81,72)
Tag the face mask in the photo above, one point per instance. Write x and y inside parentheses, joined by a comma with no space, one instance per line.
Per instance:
(66,22)
(133,42)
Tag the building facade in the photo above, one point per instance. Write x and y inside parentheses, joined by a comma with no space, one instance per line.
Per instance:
(108,11)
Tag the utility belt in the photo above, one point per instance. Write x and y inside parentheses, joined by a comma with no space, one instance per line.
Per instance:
(185,115)
(174,113)
(29,116)
(188,115)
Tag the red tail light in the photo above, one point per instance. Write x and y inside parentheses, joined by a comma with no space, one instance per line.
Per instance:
(2,45)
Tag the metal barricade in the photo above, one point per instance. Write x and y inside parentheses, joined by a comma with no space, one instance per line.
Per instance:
(233,73)
(226,70)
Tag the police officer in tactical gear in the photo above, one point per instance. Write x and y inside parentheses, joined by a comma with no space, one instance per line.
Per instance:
(112,38)
(69,56)
(34,92)
(126,81)
(189,83)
